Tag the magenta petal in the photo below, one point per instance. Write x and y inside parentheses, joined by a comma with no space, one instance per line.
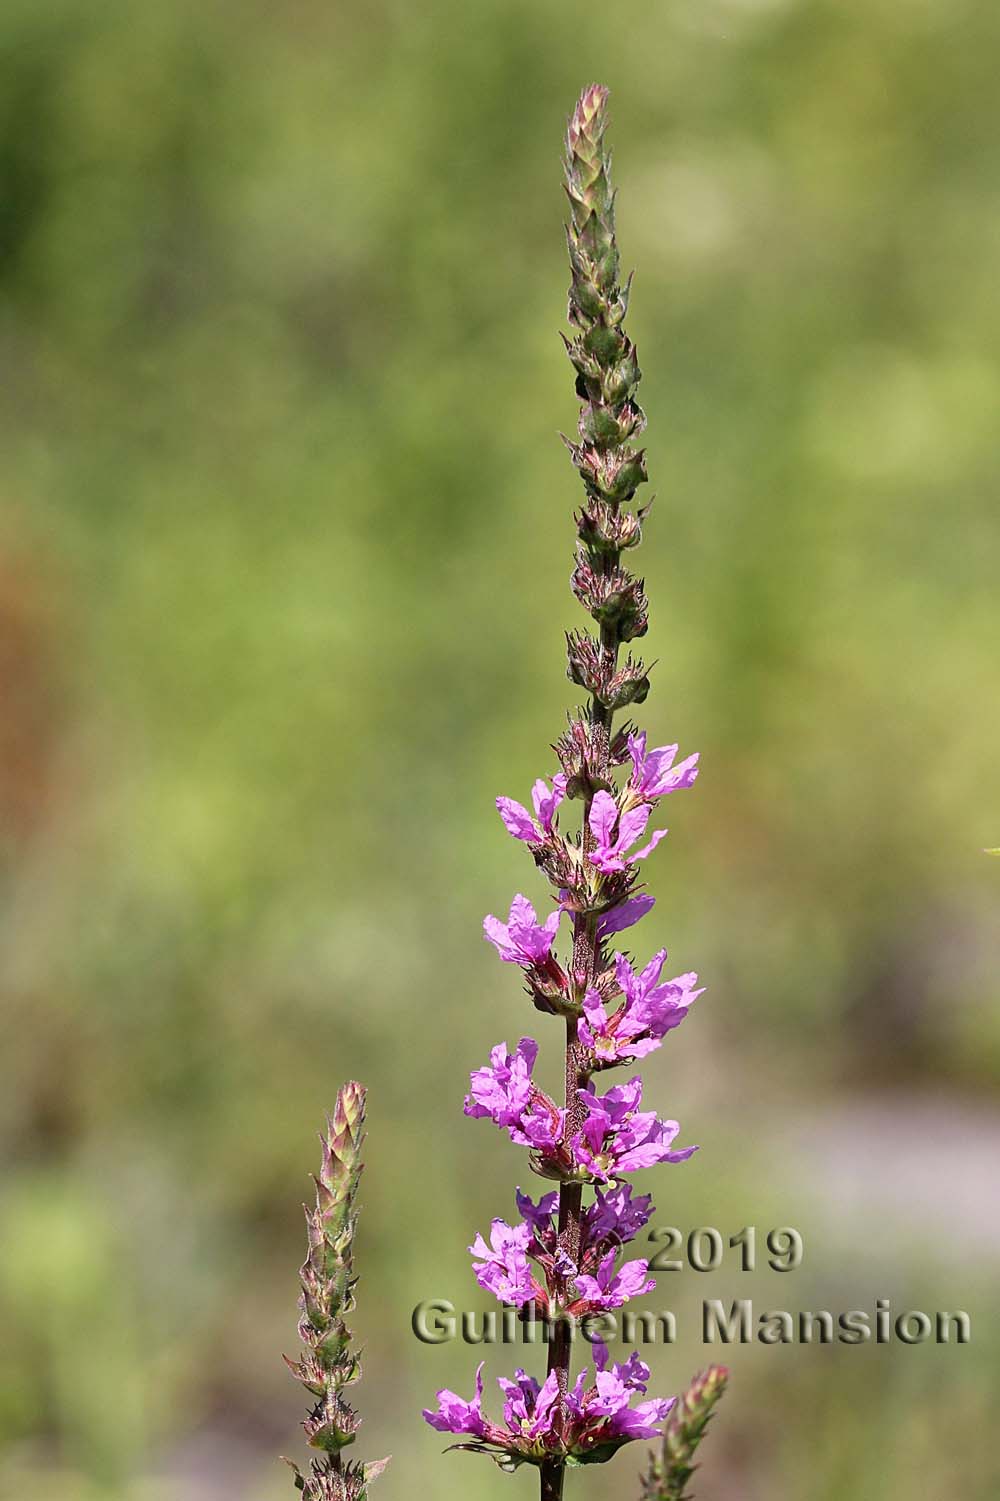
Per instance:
(633,823)
(633,1279)
(641,854)
(517,820)
(588,1287)
(633,1372)
(527,1049)
(607,861)
(541,1419)
(522,913)
(637,751)
(593,1010)
(498,934)
(537,1216)
(659,761)
(644,1421)
(546,802)
(551,923)
(651,973)
(625,915)
(684,774)
(455,1415)
(603,815)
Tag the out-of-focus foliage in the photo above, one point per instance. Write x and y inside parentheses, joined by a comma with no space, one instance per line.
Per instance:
(284,552)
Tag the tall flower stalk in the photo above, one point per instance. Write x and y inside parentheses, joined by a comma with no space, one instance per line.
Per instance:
(329,1363)
(559,1261)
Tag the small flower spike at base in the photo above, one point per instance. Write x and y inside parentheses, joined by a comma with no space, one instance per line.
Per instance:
(671,1469)
(329,1363)
(589,831)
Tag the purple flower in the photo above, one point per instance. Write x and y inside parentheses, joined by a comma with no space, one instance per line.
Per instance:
(634,1372)
(611,853)
(538,1216)
(661,1005)
(601,1034)
(502,1090)
(618,1138)
(624,915)
(519,822)
(527,1410)
(615,1039)
(563,1265)
(649,1012)
(644,1421)
(541,1126)
(597,1417)
(521,939)
(504,1270)
(604,1409)
(615,1216)
(610,1289)
(528,1416)
(503,1093)
(454,1415)
(654,774)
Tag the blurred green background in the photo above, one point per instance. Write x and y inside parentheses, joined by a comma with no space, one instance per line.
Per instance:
(284,553)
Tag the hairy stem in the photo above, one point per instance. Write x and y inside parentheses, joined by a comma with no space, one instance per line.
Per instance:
(552,1473)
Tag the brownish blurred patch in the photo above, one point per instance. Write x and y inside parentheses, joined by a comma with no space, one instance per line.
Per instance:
(32,692)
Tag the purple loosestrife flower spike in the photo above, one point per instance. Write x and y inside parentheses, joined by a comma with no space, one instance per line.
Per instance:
(563,1258)
(669,1471)
(329,1363)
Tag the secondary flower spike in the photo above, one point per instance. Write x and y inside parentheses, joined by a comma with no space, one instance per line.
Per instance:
(564,1257)
(669,1471)
(329,1363)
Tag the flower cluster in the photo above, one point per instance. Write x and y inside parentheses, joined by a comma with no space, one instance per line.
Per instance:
(613,1135)
(650,1009)
(586,1284)
(563,1259)
(600,1416)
